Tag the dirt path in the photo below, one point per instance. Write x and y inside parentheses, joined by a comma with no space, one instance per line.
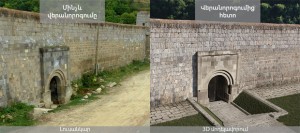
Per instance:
(125,105)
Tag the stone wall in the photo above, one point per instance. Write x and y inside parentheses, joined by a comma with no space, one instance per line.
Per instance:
(22,34)
(268,54)
(143,18)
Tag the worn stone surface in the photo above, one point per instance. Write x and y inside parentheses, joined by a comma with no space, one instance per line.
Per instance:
(277,91)
(217,63)
(38,112)
(22,34)
(55,64)
(4,95)
(170,112)
(232,116)
(268,55)
(111,84)
(98,90)
(53,106)
(143,18)
(203,111)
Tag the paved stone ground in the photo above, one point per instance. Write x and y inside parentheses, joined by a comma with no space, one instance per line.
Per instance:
(277,91)
(232,116)
(170,112)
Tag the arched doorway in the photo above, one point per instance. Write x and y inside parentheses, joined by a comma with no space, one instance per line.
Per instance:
(55,85)
(56,90)
(218,89)
(216,76)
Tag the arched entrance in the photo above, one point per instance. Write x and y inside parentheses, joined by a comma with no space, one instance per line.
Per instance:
(218,89)
(55,79)
(54,88)
(217,76)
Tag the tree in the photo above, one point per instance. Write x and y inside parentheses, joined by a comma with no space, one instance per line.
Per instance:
(128,18)
(173,9)
(121,11)
(265,9)
(280,11)
(117,11)
(26,5)
(279,19)
(272,11)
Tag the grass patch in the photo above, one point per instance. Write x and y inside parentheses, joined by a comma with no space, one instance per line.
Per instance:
(75,101)
(194,120)
(16,114)
(291,104)
(90,81)
(252,105)
(212,115)
(119,74)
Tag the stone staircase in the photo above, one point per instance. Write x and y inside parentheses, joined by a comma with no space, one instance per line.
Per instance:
(232,116)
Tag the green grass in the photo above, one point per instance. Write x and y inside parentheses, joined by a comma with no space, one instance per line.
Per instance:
(252,105)
(19,113)
(119,74)
(291,104)
(194,120)
(212,115)
(88,82)
(75,101)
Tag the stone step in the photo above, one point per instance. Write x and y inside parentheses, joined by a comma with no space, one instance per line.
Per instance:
(226,112)
(260,120)
(232,116)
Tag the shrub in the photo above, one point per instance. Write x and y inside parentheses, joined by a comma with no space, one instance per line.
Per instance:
(88,80)
(16,115)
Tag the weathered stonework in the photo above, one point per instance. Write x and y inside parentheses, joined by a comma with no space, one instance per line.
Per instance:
(164,113)
(3,86)
(216,63)
(143,18)
(54,64)
(22,35)
(268,55)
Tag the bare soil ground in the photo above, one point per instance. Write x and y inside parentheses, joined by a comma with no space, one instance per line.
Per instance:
(127,104)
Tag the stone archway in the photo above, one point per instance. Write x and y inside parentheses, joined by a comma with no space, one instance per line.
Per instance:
(218,89)
(55,89)
(216,76)
(218,86)
(55,75)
